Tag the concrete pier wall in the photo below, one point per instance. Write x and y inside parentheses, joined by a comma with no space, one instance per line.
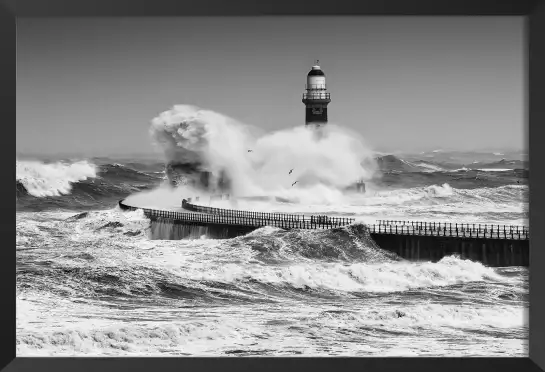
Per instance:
(168,229)
(491,252)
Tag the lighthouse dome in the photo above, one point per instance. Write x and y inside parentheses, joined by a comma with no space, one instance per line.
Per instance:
(316,71)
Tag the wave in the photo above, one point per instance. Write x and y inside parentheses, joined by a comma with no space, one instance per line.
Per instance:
(461,177)
(505,164)
(447,192)
(467,157)
(349,243)
(53,179)
(392,163)
(77,185)
(429,167)
(268,262)
(136,338)
(389,163)
(495,205)
(215,334)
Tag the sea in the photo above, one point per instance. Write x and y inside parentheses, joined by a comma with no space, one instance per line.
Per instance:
(90,281)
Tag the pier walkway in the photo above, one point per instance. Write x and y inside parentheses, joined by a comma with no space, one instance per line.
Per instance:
(194,213)
(230,217)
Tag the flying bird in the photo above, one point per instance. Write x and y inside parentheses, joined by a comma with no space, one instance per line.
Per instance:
(290,171)
(249,150)
(294,183)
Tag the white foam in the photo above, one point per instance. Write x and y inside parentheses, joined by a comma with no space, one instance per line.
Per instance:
(494,169)
(431,167)
(463,169)
(52,179)
(357,277)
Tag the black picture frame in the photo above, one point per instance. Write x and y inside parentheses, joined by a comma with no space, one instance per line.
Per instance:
(533,10)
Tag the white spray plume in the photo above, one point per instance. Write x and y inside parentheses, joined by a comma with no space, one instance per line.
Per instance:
(330,157)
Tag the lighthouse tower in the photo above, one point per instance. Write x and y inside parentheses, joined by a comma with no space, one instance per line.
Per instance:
(315,97)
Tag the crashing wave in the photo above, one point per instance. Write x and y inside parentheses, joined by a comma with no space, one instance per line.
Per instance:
(208,150)
(52,179)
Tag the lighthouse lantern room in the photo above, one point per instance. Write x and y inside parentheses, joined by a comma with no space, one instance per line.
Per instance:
(316,97)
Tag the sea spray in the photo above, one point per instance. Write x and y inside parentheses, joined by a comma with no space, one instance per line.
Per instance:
(265,165)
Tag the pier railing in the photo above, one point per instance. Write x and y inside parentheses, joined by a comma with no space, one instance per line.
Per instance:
(240,220)
(464,230)
(201,214)
(320,220)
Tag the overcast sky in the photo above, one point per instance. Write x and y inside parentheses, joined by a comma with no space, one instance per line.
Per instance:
(92,85)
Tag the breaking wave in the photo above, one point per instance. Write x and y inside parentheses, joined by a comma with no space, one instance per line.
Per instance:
(54,179)
(77,185)
(332,156)
(446,193)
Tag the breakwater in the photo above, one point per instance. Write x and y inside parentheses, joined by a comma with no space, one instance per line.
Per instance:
(282,220)
(493,245)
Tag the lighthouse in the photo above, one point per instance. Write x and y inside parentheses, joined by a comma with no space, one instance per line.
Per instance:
(316,97)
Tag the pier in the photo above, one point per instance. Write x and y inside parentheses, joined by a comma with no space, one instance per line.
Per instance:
(493,245)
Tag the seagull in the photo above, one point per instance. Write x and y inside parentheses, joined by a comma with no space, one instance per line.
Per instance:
(290,171)
(294,183)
